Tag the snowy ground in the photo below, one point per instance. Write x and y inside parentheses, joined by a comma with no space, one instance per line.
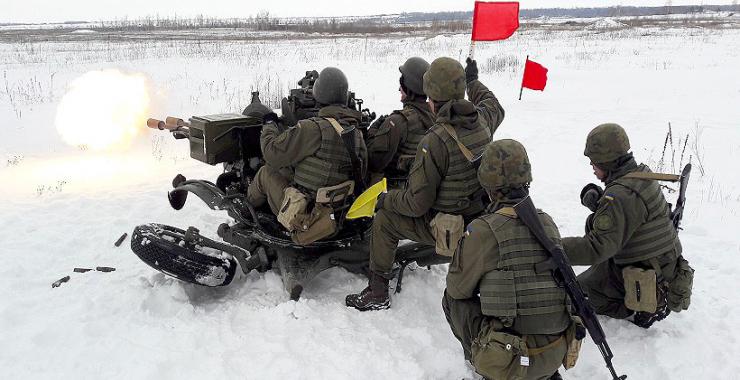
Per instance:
(63,207)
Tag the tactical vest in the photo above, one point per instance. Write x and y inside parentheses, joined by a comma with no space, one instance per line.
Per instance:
(656,236)
(330,165)
(415,131)
(522,299)
(460,188)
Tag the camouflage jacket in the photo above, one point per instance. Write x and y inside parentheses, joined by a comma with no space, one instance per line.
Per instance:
(432,160)
(289,148)
(398,135)
(498,242)
(620,217)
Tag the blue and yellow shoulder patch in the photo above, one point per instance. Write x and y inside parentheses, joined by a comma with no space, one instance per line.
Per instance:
(608,197)
(468,230)
(425,149)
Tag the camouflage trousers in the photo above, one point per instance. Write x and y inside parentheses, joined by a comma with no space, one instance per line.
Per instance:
(389,228)
(268,186)
(466,321)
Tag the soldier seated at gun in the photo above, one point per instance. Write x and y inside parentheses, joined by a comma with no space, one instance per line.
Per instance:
(327,156)
(392,140)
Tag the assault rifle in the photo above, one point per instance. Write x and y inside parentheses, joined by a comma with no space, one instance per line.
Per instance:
(564,275)
(677,213)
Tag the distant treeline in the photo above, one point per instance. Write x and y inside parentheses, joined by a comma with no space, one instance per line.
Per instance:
(265,22)
(435,22)
(617,11)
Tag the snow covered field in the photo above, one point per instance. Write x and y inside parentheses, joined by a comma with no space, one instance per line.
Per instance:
(63,207)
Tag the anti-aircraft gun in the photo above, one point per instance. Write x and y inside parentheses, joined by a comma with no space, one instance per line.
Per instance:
(255,240)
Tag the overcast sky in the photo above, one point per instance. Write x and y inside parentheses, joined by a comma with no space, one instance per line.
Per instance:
(91,10)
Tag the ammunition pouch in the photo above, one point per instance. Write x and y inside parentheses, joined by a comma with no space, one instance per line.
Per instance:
(335,194)
(498,355)
(319,224)
(641,289)
(307,227)
(574,338)
(447,230)
(293,210)
(679,290)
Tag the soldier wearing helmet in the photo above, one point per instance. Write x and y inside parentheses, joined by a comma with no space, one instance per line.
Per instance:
(494,293)
(392,140)
(442,191)
(635,255)
(312,149)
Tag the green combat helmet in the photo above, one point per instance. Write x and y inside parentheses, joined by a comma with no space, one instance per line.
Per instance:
(412,74)
(331,87)
(445,80)
(504,164)
(606,143)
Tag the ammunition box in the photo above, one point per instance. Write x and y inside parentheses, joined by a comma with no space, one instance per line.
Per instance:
(216,139)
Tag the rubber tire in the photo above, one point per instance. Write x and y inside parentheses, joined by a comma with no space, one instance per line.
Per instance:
(174,260)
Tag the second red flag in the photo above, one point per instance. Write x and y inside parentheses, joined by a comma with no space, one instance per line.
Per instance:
(535,76)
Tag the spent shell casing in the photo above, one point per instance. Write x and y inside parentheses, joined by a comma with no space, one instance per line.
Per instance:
(121,239)
(60,281)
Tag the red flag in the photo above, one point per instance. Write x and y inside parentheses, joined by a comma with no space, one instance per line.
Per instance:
(535,76)
(495,21)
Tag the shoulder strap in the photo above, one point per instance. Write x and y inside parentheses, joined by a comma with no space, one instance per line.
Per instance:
(465,151)
(507,211)
(349,143)
(337,127)
(653,176)
(408,113)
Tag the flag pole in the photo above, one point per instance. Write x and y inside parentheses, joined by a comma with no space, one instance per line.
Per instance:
(521,89)
(471,53)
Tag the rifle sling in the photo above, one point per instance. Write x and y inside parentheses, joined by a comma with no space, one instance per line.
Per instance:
(653,176)
(534,224)
(465,151)
(349,143)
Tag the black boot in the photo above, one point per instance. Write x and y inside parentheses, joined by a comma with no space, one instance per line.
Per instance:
(374,297)
(645,319)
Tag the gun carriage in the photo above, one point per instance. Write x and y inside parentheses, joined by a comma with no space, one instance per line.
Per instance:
(254,240)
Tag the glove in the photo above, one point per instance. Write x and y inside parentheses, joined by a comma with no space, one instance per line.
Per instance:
(471,70)
(590,196)
(378,122)
(381,200)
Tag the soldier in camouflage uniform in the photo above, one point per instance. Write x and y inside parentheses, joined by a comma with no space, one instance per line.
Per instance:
(312,149)
(441,179)
(493,289)
(392,140)
(629,228)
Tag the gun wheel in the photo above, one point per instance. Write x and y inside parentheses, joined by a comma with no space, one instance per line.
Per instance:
(167,250)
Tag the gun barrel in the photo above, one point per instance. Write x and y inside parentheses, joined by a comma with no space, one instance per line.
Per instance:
(155,124)
(165,125)
(176,121)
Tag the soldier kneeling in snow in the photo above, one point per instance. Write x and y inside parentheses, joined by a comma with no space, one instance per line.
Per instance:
(631,244)
(513,320)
